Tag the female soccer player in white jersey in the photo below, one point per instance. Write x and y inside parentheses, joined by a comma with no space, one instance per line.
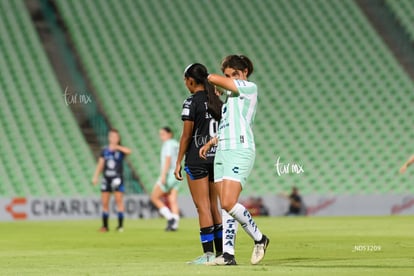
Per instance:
(110,163)
(235,154)
(200,114)
(166,183)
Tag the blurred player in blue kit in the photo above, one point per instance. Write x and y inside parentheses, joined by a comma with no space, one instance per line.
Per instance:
(110,163)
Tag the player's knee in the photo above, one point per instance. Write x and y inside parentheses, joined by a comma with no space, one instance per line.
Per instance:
(173,202)
(227,205)
(120,206)
(203,209)
(153,197)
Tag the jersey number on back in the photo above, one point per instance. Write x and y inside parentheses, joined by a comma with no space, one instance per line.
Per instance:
(213,128)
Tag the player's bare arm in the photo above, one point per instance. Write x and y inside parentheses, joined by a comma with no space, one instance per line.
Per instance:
(165,170)
(223,82)
(406,164)
(184,142)
(204,149)
(98,170)
(123,149)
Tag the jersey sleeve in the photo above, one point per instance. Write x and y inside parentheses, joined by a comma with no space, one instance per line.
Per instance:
(246,87)
(121,155)
(188,112)
(102,153)
(168,150)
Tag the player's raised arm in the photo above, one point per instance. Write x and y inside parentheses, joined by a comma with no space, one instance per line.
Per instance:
(406,164)
(234,69)
(124,150)
(223,82)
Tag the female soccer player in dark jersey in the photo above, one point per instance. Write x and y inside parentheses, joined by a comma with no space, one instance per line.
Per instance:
(200,114)
(235,153)
(110,164)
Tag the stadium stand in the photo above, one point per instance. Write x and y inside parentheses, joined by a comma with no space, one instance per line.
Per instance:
(404,11)
(42,150)
(332,97)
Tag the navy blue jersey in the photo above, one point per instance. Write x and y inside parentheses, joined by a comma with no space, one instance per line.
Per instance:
(113,162)
(205,127)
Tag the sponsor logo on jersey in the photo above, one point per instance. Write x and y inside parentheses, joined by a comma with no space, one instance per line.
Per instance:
(223,126)
(235,169)
(186,112)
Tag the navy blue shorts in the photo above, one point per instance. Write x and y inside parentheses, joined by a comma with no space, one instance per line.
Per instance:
(112,184)
(200,171)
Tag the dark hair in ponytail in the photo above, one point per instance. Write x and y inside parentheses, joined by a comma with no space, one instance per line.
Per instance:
(238,62)
(199,73)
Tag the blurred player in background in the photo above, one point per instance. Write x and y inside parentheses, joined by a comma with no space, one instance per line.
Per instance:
(166,183)
(200,114)
(110,163)
(235,153)
(296,205)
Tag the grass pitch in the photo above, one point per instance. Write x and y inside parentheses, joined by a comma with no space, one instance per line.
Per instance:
(299,246)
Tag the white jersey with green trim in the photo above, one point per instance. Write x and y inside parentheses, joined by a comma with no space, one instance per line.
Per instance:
(169,148)
(238,112)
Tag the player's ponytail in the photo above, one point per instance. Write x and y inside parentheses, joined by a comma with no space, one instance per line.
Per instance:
(198,72)
(238,62)
(214,103)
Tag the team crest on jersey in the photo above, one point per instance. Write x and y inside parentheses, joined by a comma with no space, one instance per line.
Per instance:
(116,155)
(111,164)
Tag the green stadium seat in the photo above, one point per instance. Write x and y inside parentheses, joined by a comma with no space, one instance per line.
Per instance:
(330,90)
(404,12)
(43,141)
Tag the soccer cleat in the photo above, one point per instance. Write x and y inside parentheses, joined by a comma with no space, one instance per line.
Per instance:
(170,225)
(203,259)
(103,229)
(120,229)
(225,259)
(259,250)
